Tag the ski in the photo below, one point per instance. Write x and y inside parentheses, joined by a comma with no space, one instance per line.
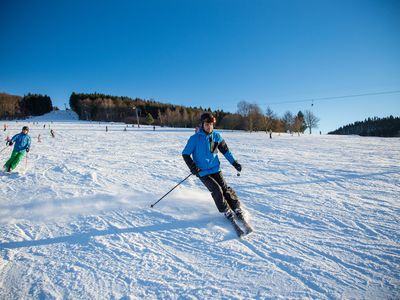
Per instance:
(237,228)
(247,226)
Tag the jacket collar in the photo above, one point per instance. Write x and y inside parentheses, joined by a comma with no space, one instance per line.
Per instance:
(202,132)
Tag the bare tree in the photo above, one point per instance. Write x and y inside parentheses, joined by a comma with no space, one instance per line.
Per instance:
(185,117)
(288,120)
(253,115)
(269,118)
(9,106)
(231,121)
(311,120)
(243,108)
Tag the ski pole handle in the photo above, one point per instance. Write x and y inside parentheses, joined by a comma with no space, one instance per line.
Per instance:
(170,190)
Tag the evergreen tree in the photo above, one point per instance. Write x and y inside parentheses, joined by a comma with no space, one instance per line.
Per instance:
(149,119)
(385,127)
(36,104)
(299,123)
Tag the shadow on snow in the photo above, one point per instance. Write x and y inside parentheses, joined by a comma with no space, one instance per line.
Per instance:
(83,238)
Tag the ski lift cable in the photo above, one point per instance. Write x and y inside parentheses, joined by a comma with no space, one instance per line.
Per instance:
(336,97)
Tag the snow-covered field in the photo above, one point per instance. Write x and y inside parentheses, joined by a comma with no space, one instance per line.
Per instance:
(77,222)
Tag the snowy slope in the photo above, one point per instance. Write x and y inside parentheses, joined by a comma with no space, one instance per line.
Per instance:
(56,116)
(77,223)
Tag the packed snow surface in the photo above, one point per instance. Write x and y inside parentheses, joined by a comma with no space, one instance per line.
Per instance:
(76,222)
(56,116)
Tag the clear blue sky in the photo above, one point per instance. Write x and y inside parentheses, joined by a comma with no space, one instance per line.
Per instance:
(209,53)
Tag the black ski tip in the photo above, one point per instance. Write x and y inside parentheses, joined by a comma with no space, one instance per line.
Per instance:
(240,233)
(249,231)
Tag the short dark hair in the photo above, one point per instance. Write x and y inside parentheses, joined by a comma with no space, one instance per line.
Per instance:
(207,118)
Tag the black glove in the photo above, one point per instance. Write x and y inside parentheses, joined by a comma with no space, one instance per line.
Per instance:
(195,171)
(10,143)
(237,166)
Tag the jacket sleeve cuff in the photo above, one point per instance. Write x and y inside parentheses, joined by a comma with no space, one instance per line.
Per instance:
(229,156)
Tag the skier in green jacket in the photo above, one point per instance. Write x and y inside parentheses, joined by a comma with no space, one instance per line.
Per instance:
(22,144)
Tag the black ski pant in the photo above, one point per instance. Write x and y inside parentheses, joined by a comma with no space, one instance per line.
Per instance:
(224,196)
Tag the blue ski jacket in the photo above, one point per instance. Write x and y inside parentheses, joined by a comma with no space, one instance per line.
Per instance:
(204,148)
(22,142)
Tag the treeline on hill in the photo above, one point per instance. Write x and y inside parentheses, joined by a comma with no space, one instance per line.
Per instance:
(12,106)
(383,127)
(101,107)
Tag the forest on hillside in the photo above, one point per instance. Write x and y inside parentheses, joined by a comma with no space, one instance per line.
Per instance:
(383,127)
(12,107)
(108,108)
(249,116)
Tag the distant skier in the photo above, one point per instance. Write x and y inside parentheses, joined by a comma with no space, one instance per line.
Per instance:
(22,144)
(201,156)
(52,133)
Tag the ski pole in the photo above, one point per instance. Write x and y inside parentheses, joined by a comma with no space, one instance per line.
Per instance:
(26,162)
(3,149)
(170,190)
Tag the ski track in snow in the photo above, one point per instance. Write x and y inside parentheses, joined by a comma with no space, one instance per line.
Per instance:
(77,223)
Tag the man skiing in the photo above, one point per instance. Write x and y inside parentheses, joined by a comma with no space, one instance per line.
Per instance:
(201,156)
(22,144)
